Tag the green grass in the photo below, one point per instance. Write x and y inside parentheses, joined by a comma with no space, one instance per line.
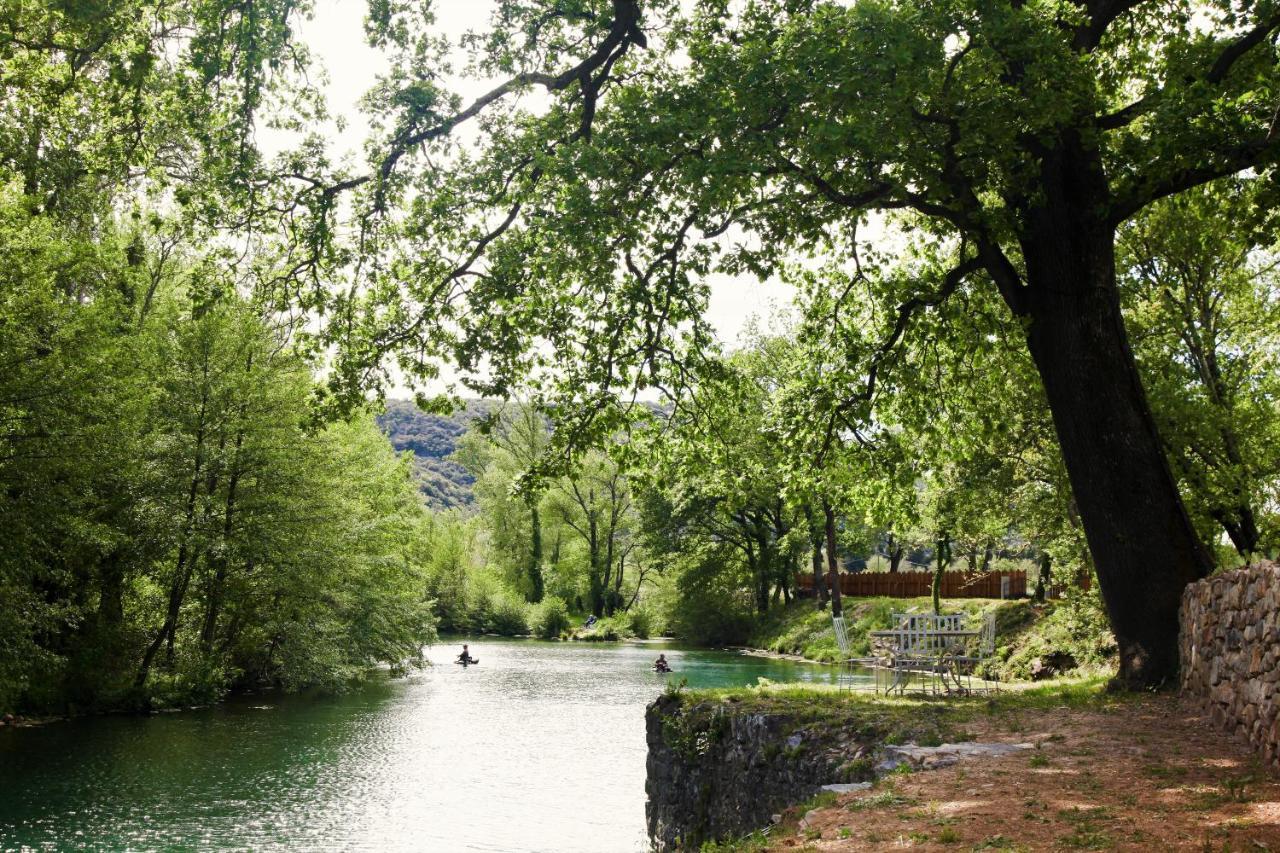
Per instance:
(801,629)
(1072,629)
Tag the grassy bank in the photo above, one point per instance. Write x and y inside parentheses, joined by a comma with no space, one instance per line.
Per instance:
(1032,640)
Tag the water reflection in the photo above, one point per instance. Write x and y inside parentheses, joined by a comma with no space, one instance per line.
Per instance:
(540,748)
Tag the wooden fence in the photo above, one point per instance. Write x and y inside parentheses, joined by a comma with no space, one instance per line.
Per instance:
(915,584)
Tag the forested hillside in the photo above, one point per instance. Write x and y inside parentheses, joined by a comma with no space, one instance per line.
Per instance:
(432,438)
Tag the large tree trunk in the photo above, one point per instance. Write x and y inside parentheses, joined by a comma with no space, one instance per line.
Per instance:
(1144,547)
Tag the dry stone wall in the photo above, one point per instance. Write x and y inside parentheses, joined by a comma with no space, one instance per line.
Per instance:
(1230,646)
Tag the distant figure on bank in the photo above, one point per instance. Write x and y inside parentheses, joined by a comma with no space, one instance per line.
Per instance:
(661,665)
(591,620)
(466,657)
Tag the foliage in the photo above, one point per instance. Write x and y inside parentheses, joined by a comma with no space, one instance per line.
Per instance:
(643,623)
(1200,283)
(552,619)
(1073,632)
(176,525)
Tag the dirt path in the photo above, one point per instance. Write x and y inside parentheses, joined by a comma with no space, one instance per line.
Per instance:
(1146,774)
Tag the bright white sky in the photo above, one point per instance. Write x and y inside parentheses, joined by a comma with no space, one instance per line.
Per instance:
(336,36)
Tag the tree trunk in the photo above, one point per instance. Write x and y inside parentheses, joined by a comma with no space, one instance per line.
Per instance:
(536,585)
(1044,577)
(895,551)
(182,569)
(1241,527)
(815,542)
(595,580)
(764,568)
(1143,545)
(944,560)
(833,559)
(819,588)
(217,585)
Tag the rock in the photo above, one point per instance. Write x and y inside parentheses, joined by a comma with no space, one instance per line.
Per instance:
(1054,663)
(846,787)
(934,757)
(794,741)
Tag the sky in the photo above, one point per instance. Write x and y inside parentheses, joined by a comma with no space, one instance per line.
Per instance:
(335,35)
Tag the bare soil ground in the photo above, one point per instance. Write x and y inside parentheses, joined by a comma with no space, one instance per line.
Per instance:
(1141,774)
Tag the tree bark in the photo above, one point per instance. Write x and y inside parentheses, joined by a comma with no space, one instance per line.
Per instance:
(819,588)
(1144,547)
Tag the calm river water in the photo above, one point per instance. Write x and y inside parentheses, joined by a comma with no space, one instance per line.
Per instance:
(539,748)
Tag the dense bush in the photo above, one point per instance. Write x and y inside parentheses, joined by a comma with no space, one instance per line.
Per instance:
(500,612)
(642,623)
(551,618)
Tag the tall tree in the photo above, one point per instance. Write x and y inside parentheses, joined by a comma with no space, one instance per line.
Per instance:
(1199,277)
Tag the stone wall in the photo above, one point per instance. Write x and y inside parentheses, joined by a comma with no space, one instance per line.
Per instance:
(718,772)
(1230,646)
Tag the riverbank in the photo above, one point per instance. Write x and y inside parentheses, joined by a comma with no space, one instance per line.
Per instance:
(1082,768)
(1034,641)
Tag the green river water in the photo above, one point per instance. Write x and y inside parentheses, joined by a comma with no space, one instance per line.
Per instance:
(539,748)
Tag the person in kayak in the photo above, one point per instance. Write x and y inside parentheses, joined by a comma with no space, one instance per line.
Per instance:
(661,665)
(466,657)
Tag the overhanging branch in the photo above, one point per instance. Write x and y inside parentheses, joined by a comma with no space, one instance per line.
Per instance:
(1231,53)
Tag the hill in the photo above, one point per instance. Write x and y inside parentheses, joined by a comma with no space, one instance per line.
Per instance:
(432,438)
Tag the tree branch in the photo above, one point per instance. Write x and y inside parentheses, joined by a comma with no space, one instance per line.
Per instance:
(624,31)
(1231,53)
(1233,160)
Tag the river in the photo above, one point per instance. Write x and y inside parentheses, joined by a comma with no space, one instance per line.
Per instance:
(539,748)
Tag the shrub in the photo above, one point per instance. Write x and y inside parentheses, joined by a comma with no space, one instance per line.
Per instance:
(1072,634)
(505,614)
(641,623)
(551,618)
(609,629)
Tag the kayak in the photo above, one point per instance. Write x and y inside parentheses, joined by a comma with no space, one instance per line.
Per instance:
(471,662)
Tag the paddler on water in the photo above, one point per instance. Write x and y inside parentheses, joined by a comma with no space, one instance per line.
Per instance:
(661,665)
(466,657)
